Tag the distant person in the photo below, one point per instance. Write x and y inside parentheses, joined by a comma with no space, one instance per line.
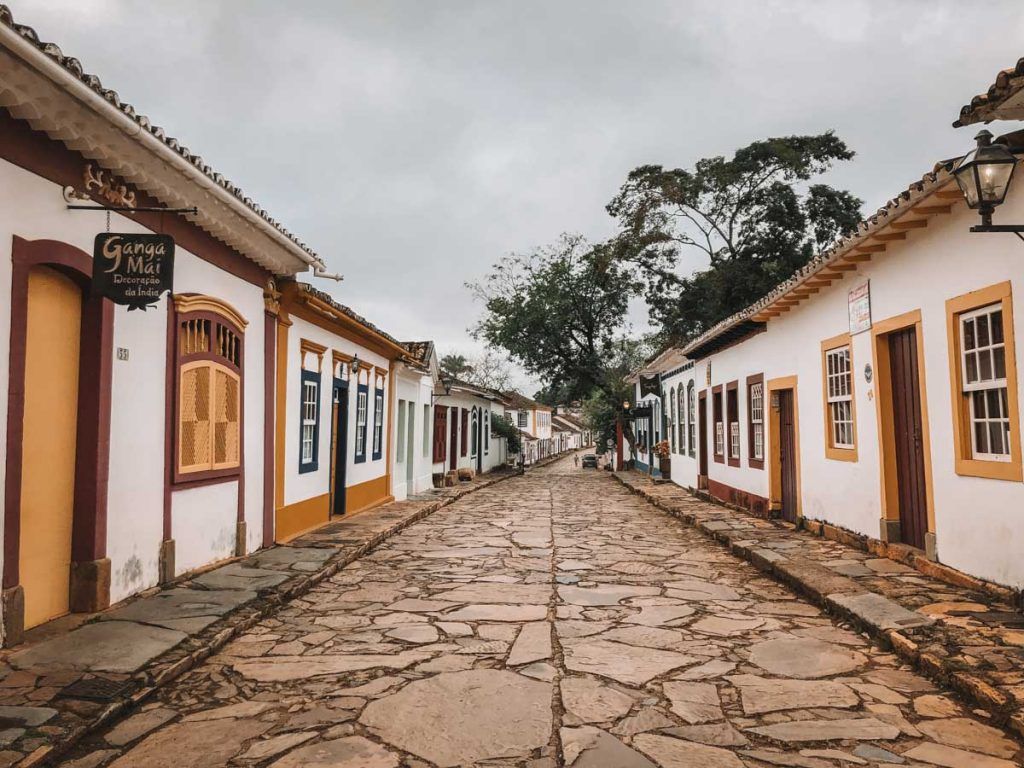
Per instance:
(576,460)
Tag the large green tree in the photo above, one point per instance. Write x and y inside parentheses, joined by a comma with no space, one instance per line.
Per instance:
(558,311)
(755,217)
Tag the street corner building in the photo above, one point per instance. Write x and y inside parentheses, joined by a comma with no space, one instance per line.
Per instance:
(874,396)
(188,399)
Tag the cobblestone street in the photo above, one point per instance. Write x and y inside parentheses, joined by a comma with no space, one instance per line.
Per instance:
(549,620)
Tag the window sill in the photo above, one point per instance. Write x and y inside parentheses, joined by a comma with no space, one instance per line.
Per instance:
(733,462)
(305,469)
(755,463)
(206,477)
(991,470)
(719,458)
(841,454)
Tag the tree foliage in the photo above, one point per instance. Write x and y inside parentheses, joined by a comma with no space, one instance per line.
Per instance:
(557,311)
(503,427)
(455,366)
(755,217)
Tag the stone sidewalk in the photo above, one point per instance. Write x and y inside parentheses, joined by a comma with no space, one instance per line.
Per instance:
(967,637)
(55,691)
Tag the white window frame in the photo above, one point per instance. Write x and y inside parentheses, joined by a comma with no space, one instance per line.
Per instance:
(719,438)
(378,422)
(310,398)
(691,422)
(361,423)
(757,419)
(839,390)
(522,419)
(990,392)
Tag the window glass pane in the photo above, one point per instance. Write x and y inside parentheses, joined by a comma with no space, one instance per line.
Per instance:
(1000,362)
(979,404)
(995,432)
(980,437)
(981,324)
(972,367)
(994,401)
(997,326)
(985,367)
(969,333)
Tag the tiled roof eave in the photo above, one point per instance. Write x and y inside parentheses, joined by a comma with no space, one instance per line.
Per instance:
(988,106)
(125,127)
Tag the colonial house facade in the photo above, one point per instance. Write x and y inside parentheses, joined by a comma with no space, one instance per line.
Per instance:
(876,390)
(534,423)
(416,378)
(463,438)
(138,445)
(335,396)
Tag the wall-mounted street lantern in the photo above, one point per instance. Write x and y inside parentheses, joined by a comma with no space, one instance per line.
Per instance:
(446,382)
(984,175)
(354,365)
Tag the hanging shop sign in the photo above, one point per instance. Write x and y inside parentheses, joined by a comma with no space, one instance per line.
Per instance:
(640,412)
(860,308)
(650,385)
(132,269)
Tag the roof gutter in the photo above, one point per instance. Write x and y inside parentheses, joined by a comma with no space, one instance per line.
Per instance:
(14,42)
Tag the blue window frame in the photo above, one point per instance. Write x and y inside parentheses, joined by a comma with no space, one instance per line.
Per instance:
(362,394)
(309,422)
(378,423)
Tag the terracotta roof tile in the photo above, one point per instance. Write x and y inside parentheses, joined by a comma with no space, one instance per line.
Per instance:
(74,67)
(993,103)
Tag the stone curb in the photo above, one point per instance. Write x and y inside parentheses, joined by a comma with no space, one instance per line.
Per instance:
(197,648)
(819,585)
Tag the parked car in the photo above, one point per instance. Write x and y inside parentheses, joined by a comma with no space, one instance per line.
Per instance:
(590,460)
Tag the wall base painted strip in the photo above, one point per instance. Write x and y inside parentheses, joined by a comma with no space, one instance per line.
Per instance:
(300,517)
(757,505)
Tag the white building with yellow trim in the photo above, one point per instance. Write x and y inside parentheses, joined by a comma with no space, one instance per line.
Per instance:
(877,390)
(335,398)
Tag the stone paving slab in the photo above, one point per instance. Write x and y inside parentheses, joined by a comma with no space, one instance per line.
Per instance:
(962,633)
(126,654)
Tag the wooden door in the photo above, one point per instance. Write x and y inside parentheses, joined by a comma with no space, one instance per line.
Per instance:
(907,437)
(339,446)
(787,455)
(52,346)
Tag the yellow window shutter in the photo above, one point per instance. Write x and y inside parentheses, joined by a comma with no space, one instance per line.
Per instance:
(194,418)
(226,417)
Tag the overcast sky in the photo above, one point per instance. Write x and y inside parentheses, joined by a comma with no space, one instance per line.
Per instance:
(413,143)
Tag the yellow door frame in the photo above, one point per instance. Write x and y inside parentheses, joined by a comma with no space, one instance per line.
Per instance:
(889,481)
(774,432)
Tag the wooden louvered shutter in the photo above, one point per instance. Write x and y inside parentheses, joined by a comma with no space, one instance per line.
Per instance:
(194,417)
(226,412)
(465,431)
